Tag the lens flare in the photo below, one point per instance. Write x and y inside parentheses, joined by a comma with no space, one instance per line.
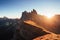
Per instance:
(49,15)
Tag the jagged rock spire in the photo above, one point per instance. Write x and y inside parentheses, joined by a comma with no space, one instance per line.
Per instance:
(24,12)
(28,15)
(34,11)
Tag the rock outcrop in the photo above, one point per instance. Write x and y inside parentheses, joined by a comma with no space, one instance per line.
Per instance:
(28,15)
(52,24)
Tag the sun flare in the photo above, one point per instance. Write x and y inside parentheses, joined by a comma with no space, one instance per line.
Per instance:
(49,15)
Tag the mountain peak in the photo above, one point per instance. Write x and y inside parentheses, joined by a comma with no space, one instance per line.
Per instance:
(28,15)
(34,11)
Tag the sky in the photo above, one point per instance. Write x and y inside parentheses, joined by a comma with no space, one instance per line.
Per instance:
(14,8)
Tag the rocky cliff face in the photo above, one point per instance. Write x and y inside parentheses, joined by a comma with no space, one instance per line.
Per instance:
(33,16)
(52,25)
(28,15)
(28,31)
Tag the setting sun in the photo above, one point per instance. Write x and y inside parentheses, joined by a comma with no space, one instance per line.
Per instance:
(49,15)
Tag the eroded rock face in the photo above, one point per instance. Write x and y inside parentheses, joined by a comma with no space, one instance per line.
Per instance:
(28,15)
(52,24)
(38,19)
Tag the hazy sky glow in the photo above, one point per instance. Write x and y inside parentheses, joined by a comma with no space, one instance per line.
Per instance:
(14,8)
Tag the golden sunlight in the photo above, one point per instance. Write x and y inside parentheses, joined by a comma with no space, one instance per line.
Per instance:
(49,15)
